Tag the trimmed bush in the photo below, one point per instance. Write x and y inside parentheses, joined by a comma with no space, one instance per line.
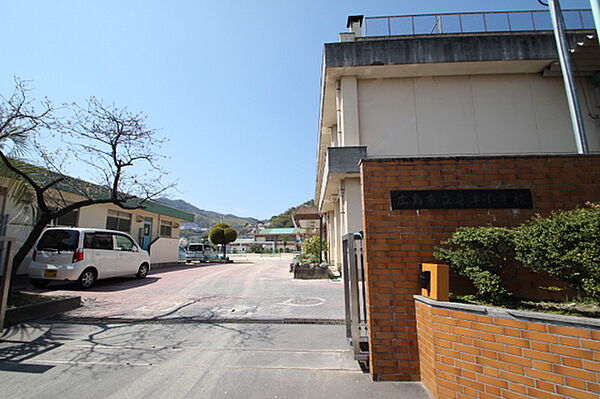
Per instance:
(222,233)
(566,245)
(479,254)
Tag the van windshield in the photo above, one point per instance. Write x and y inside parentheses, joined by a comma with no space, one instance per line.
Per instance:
(59,240)
(195,248)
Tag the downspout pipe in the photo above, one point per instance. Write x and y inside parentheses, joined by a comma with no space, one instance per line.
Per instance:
(596,12)
(566,63)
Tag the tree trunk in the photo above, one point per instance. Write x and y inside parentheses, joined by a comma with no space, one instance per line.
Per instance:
(29,243)
(224,251)
(24,250)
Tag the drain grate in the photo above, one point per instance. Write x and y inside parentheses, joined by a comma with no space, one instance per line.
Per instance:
(192,320)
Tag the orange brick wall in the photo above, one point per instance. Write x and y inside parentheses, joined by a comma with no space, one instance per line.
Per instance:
(466,355)
(396,241)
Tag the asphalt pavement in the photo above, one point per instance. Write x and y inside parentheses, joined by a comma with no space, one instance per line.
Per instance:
(258,288)
(193,347)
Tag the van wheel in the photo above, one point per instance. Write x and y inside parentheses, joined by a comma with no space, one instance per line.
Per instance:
(143,271)
(87,279)
(39,283)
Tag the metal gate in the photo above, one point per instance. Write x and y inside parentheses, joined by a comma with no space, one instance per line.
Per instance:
(355,296)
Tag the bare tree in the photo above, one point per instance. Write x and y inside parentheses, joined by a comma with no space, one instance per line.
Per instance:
(115,144)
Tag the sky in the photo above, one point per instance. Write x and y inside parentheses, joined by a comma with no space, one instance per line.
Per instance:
(233,85)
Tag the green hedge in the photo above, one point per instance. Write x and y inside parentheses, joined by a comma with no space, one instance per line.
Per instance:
(566,245)
(480,254)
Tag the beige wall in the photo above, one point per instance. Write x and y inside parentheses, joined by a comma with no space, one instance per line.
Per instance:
(164,250)
(447,115)
(95,216)
(345,218)
(482,114)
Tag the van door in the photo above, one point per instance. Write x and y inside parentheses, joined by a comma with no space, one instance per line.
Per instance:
(100,247)
(128,259)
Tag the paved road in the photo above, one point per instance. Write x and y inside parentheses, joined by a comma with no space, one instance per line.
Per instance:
(185,360)
(261,288)
(196,332)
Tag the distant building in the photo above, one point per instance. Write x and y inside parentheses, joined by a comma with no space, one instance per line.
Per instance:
(308,219)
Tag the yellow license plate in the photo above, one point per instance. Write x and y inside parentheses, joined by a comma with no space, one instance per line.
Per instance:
(49,273)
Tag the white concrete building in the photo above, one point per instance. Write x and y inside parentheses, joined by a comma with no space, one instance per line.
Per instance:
(441,95)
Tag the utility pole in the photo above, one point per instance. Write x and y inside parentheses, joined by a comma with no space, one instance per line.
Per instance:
(566,63)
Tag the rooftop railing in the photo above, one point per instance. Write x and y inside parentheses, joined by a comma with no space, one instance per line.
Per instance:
(473,22)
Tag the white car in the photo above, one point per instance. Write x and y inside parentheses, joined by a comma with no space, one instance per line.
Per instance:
(85,255)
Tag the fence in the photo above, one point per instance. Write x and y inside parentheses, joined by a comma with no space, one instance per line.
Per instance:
(474,22)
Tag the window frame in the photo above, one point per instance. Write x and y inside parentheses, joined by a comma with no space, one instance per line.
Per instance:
(116,245)
(167,224)
(121,217)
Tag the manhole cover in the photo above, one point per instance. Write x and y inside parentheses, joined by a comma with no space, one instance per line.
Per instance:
(304,301)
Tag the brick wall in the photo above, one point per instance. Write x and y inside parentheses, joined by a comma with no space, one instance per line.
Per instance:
(396,241)
(468,355)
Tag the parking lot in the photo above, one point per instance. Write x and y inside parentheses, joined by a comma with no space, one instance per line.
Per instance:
(250,288)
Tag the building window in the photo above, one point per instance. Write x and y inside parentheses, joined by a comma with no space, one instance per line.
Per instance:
(166,228)
(69,219)
(120,221)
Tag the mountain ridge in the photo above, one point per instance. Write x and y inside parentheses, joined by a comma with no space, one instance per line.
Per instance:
(205,218)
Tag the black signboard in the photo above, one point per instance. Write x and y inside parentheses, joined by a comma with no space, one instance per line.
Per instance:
(462,199)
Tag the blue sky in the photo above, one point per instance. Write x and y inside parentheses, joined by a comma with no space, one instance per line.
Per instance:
(234,85)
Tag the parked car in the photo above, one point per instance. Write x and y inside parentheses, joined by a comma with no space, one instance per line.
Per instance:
(85,255)
(199,252)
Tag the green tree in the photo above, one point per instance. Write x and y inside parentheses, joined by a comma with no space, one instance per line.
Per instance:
(222,233)
(312,246)
(107,139)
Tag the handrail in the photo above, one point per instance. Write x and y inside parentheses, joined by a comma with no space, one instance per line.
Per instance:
(473,22)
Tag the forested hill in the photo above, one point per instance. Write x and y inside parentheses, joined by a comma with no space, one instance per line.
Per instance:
(206,218)
(285,219)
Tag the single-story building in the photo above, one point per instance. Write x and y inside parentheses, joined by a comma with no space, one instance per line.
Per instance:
(154,226)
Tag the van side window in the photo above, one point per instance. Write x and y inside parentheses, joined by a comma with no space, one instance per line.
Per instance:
(124,243)
(98,241)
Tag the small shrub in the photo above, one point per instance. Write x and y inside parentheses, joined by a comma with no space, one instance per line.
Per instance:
(566,245)
(311,246)
(479,254)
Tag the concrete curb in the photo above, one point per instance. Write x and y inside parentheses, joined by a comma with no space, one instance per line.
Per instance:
(40,310)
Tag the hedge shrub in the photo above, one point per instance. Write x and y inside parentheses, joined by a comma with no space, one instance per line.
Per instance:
(565,245)
(480,254)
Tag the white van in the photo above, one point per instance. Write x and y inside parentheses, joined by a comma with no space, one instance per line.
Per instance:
(85,255)
(198,252)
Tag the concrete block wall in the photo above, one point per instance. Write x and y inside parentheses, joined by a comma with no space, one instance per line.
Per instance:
(396,241)
(475,354)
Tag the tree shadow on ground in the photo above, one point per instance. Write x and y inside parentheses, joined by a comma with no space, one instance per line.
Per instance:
(104,285)
(105,345)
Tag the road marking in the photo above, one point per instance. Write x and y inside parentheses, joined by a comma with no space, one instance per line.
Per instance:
(193,320)
(310,301)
